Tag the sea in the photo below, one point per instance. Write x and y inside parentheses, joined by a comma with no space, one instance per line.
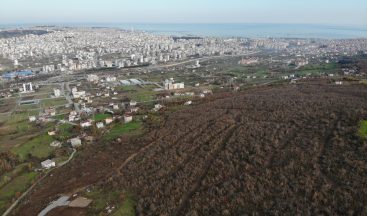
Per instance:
(231,30)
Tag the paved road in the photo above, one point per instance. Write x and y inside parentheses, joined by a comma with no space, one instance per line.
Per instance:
(199,59)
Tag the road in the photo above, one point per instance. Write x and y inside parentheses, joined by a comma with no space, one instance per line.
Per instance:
(199,59)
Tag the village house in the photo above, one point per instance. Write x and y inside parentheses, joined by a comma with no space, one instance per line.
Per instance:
(32,118)
(108,121)
(47,164)
(187,103)
(75,142)
(157,107)
(51,133)
(86,124)
(55,144)
(100,125)
(128,118)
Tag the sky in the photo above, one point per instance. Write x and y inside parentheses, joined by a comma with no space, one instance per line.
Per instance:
(337,12)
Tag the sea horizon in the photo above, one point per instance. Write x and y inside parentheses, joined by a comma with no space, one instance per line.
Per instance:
(226,30)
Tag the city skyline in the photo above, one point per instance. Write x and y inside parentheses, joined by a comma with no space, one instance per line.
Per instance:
(205,11)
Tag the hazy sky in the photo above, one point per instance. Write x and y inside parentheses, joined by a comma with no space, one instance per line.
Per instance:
(351,12)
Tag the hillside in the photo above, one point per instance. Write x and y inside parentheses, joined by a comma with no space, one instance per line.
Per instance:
(291,149)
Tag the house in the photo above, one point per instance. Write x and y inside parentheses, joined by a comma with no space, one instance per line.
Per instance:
(108,121)
(50,112)
(47,164)
(133,109)
(57,92)
(51,133)
(92,78)
(157,107)
(78,94)
(55,144)
(187,103)
(128,118)
(32,118)
(133,103)
(100,125)
(86,124)
(110,79)
(115,106)
(75,142)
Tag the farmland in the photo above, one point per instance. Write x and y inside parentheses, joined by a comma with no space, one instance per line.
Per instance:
(285,149)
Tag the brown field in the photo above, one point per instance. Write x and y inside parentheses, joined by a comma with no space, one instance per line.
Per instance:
(284,150)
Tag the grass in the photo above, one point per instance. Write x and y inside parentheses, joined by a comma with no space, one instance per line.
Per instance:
(53,102)
(38,147)
(101,199)
(101,116)
(7,177)
(317,69)
(127,208)
(59,117)
(363,129)
(122,129)
(17,185)
(143,95)
(65,131)
(140,94)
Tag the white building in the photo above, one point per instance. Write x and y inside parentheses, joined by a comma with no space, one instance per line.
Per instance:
(170,85)
(108,121)
(78,94)
(27,87)
(110,79)
(32,118)
(92,78)
(55,144)
(187,103)
(100,125)
(75,142)
(128,118)
(86,124)
(47,164)
(57,92)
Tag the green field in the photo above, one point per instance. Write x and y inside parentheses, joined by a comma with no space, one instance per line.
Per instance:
(53,102)
(65,131)
(140,94)
(7,177)
(101,199)
(317,69)
(127,208)
(122,129)
(17,185)
(101,116)
(363,129)
(38,147)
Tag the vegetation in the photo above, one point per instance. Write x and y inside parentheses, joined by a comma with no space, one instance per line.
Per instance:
(38,147)
(363,129)
(53,102)
(101,199)
(127,208)
(15,188)
(228,158)
(101,116)
(119,129)
(65,131)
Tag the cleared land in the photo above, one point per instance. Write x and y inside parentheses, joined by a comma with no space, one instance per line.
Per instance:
(292,149)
